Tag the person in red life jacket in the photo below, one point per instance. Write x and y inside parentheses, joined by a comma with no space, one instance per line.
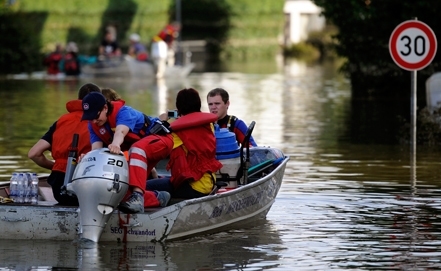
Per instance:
(52,60)
(137,49)
(169,34)
(193,160)
(120,127)
(57,140)
(218,102)
(70,64)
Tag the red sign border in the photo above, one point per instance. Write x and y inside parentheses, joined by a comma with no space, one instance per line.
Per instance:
(432,45)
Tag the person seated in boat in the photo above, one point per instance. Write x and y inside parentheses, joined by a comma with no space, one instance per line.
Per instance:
(52,60)
(193,159)
(70,63)
(109,46)
(118,127)
(137,49)
(57,141)
(218,101)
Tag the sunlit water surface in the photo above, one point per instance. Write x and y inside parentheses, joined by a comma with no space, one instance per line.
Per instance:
(342,205)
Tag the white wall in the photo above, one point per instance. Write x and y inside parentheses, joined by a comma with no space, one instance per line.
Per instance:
(302,16)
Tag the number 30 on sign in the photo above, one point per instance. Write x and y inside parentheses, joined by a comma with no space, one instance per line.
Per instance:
(412,45)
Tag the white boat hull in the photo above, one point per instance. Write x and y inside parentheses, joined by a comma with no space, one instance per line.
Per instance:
(128,66)
(209,214)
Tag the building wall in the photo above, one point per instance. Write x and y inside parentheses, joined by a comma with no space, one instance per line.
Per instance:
(302,17)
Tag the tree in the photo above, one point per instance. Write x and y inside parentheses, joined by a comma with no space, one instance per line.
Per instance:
(208,20)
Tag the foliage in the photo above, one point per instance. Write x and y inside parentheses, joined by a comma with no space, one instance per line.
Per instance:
(16,32)
(205,20)
(428,128)
(319,45)
(256,26)
(303,51)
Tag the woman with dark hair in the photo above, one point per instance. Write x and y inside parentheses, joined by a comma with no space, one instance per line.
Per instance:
(193,159)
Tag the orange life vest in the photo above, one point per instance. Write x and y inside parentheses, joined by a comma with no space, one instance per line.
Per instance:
(66,126)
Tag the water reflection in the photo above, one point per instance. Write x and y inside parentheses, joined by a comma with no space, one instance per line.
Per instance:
(256,249)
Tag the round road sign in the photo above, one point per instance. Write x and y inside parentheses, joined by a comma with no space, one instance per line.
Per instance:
(412,45)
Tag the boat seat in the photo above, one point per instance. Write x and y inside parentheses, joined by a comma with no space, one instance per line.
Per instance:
(218,185)
(46,193)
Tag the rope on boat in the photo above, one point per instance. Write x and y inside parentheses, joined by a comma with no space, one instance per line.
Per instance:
(5,200)
(122,224)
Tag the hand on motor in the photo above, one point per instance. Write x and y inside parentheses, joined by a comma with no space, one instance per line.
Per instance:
(114,149)
(80,157)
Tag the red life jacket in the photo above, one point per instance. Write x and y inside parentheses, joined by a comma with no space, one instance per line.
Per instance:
(200,145)
(66,126)
(71,66)
(51,61)
(106,135)
(167,34)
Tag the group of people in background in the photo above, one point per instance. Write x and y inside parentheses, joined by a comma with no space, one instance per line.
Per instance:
(66,61)
(162,52)
(102,119)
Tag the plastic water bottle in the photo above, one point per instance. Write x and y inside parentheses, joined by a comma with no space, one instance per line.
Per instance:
(21,185)
(13,186)
(28,187)
(34,189)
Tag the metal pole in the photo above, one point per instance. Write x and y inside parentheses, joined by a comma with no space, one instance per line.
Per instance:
(413,132)
(413,128)
(413,103)
(413,106)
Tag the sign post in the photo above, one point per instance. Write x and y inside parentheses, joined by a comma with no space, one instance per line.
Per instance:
(413,46)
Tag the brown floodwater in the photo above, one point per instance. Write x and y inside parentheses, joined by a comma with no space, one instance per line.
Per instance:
(348,201)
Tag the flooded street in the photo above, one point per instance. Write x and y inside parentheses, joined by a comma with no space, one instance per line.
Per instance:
(343,204)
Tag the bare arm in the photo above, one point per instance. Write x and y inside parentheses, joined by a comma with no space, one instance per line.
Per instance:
(118,138)
(36,154)
(97,145)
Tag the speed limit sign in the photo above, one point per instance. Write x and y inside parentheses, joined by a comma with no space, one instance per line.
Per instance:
(412,45)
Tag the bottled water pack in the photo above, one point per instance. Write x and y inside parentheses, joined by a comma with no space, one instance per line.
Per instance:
(23,187)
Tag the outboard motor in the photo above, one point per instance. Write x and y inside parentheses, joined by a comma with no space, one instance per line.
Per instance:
(100,182)
(228,153)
